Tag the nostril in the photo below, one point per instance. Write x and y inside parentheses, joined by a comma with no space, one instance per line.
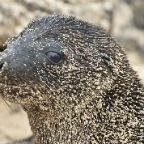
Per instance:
(3,48)
(1,65)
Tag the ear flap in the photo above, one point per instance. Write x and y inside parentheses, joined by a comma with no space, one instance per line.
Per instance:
(107,61)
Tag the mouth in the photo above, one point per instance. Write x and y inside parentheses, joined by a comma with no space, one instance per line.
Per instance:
(7,90)
(20,94)
(13,93)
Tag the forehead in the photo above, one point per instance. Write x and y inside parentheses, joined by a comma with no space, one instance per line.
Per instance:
(57,32)
(49,25)
(56,25)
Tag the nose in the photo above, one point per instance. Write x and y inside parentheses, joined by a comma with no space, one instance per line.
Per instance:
(1,65)
(3,48)
(1,59)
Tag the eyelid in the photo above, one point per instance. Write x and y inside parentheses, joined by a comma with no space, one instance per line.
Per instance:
(52,54)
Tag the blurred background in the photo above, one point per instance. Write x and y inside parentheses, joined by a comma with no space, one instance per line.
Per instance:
(123,19)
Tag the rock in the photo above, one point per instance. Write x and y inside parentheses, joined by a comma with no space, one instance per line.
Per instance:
(14,125)
(125,29)
(138,13)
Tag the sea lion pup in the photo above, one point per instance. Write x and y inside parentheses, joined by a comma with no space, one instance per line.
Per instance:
(75,83)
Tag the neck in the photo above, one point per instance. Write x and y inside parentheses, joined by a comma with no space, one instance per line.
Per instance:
(90,122)
(66,127)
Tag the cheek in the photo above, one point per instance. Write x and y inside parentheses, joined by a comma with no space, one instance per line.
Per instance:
(94,77)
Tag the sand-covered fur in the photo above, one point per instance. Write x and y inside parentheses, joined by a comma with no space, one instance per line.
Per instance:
(75,83)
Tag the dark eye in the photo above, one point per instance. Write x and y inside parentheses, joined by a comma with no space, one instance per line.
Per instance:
(54,57)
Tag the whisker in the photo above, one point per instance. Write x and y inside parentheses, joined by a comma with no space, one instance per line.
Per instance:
(8,106)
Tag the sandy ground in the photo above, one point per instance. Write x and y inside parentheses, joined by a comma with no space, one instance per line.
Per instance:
(14,123)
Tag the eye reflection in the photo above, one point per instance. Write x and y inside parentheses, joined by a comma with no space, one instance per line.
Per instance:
(54,57)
